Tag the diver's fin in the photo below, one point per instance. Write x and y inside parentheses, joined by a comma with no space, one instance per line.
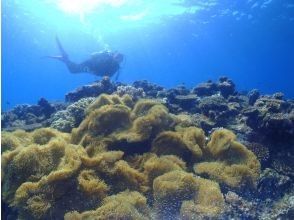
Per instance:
(58,57)
(62,51)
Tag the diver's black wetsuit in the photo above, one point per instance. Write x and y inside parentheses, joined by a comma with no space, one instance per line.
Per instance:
(104,63)
(100,64)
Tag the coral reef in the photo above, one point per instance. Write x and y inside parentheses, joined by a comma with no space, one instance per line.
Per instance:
(93,90)
(151,90)
(134,92)
(29,117)
(224,86)
(71,117)
(273,117)
(145,152)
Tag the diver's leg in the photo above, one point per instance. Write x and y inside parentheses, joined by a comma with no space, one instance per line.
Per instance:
(62,51)
(74,67)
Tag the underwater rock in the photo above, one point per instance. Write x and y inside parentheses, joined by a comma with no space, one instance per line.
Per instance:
(278,95)
(226,86)
(217,109)
(29,117)
(211,104)
(205,89)
(253,95)
(186,102)
(202,121)
(180,90)
(93,90)
(281,209)
(272,117)
(272,184)
(46,107)
(283,158)
(150,89)
(239,208)
(262,152)
(179,99)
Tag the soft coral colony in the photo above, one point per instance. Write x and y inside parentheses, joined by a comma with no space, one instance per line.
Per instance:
(126,160)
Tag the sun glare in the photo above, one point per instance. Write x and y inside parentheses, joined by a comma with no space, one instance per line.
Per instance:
(86,6)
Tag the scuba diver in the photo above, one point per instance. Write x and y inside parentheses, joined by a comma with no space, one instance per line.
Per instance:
(104,63)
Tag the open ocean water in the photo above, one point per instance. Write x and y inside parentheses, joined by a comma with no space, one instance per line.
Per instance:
(167,42)
(198,124)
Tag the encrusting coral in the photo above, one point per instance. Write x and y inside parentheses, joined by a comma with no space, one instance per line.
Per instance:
(66,120)
(121,155)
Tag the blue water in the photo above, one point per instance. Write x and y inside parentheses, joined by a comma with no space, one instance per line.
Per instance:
(166,42)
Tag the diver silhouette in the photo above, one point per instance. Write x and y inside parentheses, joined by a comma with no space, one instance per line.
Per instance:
(105,63)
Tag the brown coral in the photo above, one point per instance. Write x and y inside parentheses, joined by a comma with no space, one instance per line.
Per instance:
(183,143)
(91,184)
(157,166)
(115,125)
(109,100)
(36,168)
(234,164)
(118,147)
(178,191)
(125,205)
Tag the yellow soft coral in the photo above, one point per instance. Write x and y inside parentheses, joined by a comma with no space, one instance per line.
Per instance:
(207,202)
(44,135)
(234,164)
(126,205)
(157,166)
(9,141)
(109,100)
(172,191)
(123,146)
(125,177)
(183,143)
(113,126)
(32,169)
(91,184)
(155,120)
(142,107)
(12,140)
(101,122)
